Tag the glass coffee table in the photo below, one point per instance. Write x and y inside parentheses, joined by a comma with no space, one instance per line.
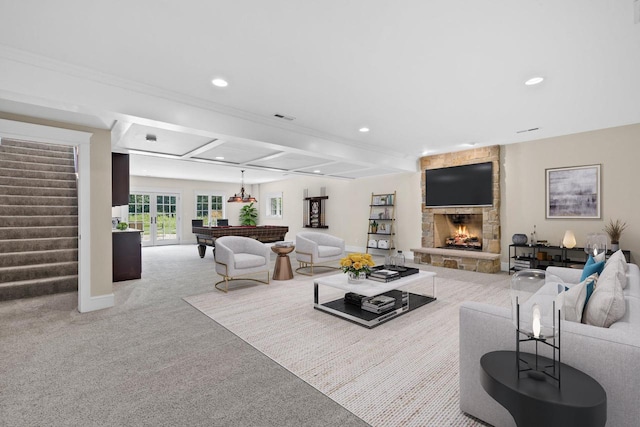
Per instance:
(405,301)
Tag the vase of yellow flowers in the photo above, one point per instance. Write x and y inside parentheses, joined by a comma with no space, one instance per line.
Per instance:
(356,266)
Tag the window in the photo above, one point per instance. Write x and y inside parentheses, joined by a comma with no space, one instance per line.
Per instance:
(209,207)
(274,205)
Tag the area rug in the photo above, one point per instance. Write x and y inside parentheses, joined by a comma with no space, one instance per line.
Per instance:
(401,373)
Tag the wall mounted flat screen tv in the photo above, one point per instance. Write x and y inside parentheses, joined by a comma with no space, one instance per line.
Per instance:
(466,185)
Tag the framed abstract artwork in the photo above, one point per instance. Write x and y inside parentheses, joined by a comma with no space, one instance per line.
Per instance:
(573,192)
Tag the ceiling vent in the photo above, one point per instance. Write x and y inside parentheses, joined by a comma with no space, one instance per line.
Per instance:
(282,116)
(151,138)
(527,130)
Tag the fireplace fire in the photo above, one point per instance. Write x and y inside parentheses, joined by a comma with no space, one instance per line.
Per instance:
(463,239)
(458,231)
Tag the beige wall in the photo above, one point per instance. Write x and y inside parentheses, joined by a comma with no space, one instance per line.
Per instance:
(523,185)
(348,206)
(101,266)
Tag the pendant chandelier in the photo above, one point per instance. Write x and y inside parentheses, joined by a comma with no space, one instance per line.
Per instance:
(241,198)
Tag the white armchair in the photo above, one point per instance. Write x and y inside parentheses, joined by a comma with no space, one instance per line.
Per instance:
(314,248)
(239,256)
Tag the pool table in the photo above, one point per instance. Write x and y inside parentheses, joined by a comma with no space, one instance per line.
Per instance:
(206,236)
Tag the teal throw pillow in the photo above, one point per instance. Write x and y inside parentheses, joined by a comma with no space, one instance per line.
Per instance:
(591,267)
(590,261)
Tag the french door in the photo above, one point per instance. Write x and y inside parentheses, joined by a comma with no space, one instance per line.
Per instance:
(157,216)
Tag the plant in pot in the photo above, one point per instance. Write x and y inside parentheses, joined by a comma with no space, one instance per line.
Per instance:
(614,230)
(374,227)
(248,215)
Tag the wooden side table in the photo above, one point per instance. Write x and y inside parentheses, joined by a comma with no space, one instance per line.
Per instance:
(580,401)
(282,270)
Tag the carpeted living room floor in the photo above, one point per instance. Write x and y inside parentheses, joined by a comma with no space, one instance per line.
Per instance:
(153,359)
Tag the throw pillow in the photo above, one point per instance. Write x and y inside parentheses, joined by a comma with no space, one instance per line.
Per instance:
(574,299)
(591,267)
(619,268)
(618,256)
(607,305)
(600,257)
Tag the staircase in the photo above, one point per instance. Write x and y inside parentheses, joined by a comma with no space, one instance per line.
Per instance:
(38,220)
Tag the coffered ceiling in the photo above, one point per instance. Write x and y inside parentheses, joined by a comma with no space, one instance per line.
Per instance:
(423,76)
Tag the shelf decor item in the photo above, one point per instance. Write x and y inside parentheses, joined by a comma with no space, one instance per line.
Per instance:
(519,239)
(537,319)
(569,239)
(356,266)
(614,230)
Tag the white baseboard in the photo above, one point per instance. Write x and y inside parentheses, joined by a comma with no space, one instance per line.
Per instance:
(97,303)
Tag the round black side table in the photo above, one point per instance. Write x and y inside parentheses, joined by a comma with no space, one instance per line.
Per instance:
(580,401)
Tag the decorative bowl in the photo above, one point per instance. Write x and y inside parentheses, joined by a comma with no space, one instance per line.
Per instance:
(519,239)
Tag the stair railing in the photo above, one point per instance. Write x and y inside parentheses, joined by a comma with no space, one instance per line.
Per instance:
(75,160)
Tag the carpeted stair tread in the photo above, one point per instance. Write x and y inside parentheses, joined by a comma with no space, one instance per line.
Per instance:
(37,287)
(21,173)
(25,245)
(38,182)
(25,151)
(37,145)
(30,200)
(38,271)
(14,190)
(36,166)
(29,210)
(38,221)
(38,159)
(10,233)
(14,259)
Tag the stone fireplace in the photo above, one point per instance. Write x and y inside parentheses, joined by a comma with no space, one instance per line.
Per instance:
(466,238)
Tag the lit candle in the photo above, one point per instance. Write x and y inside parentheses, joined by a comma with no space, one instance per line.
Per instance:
(536,321)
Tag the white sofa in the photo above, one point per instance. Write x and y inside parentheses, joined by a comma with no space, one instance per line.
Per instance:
(610,355)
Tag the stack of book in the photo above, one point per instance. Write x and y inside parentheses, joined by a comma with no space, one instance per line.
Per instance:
(378,304)
(384,275)
(354,299)
(521,264)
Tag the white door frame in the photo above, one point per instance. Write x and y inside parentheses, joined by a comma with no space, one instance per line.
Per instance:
(82,140)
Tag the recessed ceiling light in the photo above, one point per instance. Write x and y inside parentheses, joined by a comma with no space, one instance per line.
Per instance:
(219,158)
(364,130)
(534,81)
(316,171)
(220,82)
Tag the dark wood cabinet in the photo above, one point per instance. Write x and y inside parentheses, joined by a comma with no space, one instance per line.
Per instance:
(119,179)
(127,255)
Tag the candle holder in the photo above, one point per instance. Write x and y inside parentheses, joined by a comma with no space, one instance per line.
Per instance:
(537,321)
(596,244)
